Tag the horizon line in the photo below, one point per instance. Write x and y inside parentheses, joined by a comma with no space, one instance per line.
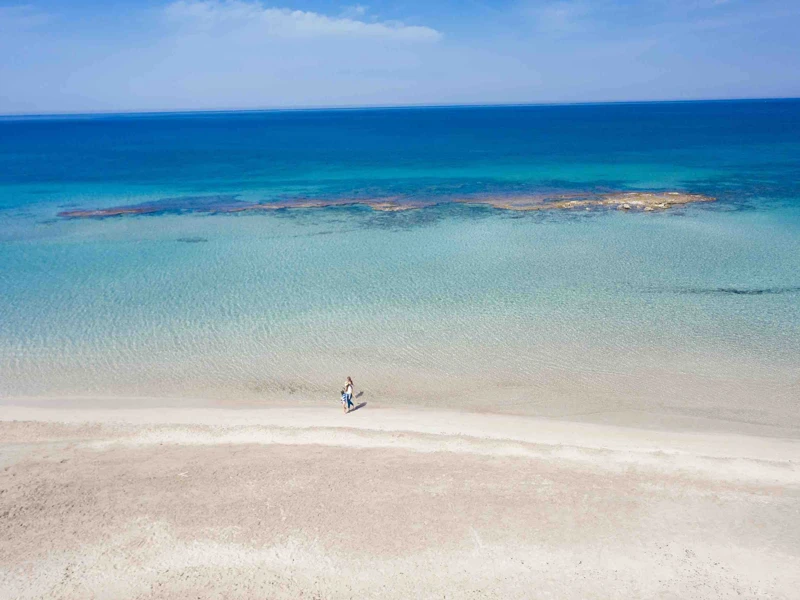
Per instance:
(357,107)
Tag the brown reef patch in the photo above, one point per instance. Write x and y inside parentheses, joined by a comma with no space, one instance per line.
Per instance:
(635,201)
(395,204)
(643,201)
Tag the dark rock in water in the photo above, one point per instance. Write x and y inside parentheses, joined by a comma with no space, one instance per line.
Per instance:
(192,240)
(753,291)
(734,291)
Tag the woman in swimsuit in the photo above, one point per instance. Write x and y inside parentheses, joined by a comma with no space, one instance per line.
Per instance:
(347,395)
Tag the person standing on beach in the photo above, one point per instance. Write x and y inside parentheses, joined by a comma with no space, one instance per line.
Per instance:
(347,395)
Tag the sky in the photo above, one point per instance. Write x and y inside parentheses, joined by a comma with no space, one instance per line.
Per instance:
(143,55)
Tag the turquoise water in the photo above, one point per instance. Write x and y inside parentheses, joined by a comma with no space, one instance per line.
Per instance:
(695,311)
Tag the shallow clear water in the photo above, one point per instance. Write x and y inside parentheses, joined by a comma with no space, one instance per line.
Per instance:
(695,311)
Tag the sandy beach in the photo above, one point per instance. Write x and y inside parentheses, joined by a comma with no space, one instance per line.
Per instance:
(390,502)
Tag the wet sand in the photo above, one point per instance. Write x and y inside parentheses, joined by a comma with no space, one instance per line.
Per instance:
(397,503)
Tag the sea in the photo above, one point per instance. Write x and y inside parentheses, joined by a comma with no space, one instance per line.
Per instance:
(690,314)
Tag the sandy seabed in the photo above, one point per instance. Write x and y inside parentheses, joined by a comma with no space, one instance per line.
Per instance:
(389,503)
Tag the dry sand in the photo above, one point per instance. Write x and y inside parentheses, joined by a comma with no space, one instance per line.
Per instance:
(390,503)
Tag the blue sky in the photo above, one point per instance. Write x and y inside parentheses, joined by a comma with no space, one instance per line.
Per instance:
(88,55)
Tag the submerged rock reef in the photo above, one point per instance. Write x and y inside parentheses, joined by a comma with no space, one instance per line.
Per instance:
(221,204)
(647,201)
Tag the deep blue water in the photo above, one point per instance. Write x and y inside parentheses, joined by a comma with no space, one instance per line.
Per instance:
(744,146)
(694,310)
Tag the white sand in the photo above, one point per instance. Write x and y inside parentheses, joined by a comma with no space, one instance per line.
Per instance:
(307,502)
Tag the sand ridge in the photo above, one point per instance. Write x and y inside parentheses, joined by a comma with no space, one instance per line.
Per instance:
(289,503)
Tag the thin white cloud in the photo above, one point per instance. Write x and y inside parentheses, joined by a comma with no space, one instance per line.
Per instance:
(227,15)
(21,17)
(354,11)
(562,16)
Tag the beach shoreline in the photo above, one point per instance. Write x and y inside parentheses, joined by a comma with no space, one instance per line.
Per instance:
(190,409)
(286,501)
